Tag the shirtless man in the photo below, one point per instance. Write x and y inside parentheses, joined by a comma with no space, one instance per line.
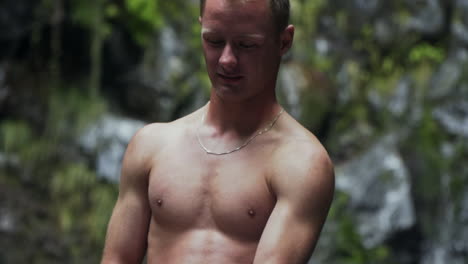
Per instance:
(211,187)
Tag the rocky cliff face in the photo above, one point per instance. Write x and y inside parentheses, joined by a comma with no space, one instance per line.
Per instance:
(383,84)
(404,63)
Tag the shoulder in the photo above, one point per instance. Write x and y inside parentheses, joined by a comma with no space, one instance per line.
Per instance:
(146,138)
(151,139)
(140,150)
(155,135)
(302,166)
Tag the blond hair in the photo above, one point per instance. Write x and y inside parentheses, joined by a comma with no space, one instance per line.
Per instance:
(279,10)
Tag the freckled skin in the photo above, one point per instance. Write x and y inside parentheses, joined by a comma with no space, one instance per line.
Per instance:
(263,204)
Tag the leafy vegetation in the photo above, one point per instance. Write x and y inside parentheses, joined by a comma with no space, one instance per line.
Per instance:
(60,207)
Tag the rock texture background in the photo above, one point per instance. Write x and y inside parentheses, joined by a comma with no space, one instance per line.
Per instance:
(383,84)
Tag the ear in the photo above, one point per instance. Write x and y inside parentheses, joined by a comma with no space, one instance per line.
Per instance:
(286,38)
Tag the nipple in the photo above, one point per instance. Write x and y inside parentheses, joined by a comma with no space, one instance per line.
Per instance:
(159,202)
(251,213)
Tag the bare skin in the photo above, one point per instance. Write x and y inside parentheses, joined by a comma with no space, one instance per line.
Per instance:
(265,203)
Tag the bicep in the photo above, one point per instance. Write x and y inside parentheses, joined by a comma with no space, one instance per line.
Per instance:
(128,227)
(127,230)
(303,199)
(287,237)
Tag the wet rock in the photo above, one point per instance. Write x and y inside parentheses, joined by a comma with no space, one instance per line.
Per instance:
(449,244)
(453,117)
(8,160)
(7,221)
(170,57)
(385,31)
(428,16)
(107,140)
(445,81)
(398,101)
(461,233)
(148,90)
(369,7)
(379,188)
(322,46)
(460,24)
(306,94)
(346,82)
(292,82)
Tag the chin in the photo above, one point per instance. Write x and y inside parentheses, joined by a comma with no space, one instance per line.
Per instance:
(230,94)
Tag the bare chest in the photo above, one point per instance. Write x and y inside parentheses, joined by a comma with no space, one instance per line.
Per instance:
(192,190)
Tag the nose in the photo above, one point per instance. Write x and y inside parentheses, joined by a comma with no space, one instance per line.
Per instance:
(228,59)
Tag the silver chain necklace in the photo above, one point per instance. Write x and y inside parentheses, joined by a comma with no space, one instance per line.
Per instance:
(266,129)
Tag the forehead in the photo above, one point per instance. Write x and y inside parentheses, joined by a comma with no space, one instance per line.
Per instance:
(255,14)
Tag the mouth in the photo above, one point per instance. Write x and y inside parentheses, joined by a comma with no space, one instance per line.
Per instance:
(229,78)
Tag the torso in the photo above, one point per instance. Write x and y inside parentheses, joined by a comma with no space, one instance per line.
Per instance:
(205,208)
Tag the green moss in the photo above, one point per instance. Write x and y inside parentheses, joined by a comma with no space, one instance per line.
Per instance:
(427,142)
(73,178)
(422,73)
(426,52)
(313,112)
(320,62)
(14,136)
(342,19)
(102,198)
(385,84)
(112,10)
(71,110)
(458,170)
(349,247)
(306,13)
(82,206)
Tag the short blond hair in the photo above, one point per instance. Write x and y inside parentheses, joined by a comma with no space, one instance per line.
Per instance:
(279,10)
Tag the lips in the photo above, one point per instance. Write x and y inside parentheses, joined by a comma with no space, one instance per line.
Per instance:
(229,78)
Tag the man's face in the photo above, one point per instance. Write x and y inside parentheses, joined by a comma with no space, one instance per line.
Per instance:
(241,47)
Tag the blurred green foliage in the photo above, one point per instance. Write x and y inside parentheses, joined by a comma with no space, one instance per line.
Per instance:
(349,246)
(145,19)
(70,205)
(424,51)
(74,203)
(15,136)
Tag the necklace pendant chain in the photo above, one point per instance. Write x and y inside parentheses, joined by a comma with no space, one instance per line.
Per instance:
(247,142)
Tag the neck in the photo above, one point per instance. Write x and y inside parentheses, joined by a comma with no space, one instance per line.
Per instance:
(241,118)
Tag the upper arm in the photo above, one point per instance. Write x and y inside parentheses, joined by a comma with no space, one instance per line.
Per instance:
(128,227)
(303,183)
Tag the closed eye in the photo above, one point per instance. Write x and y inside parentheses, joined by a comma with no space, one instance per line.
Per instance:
(247,45)
(215,42)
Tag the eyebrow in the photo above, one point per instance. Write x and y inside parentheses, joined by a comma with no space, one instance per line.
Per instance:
(252,35)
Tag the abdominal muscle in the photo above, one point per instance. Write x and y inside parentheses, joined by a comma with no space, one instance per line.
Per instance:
(197,246)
